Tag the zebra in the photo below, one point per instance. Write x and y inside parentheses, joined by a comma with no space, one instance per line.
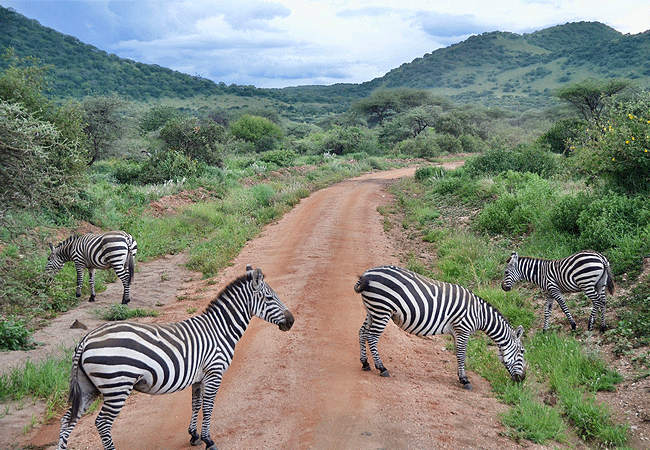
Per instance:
(114,249)
(425,307)
(117,358)
(587,271)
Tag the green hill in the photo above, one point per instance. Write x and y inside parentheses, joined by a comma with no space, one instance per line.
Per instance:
(508,70)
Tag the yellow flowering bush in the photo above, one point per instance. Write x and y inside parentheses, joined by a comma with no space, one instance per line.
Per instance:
(621,147)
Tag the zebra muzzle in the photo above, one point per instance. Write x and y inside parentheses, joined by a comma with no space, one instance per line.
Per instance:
(287,323)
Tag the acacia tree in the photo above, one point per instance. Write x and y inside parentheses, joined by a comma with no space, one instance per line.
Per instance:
(589,96)
(104,124)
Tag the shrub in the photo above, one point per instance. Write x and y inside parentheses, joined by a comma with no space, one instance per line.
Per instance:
(14,335)
(531,159)
(565,212)
(169,165)
(263,134)
(606,219)
(429,172)
(520,208)
(281,158)
(562,134)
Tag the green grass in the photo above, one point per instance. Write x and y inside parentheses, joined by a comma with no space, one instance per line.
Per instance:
(123,312)
(47,380)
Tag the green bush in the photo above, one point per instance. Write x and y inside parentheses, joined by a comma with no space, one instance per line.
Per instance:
(14,335)
(518,210)
(563,134)
(608,218)
(531,159)
(429,173)
(566,211)
(263,134)
(281,158)
(168,165)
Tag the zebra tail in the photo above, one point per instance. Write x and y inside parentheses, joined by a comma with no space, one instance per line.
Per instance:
(610,280)
(361,285)
(75,395)
(130,265)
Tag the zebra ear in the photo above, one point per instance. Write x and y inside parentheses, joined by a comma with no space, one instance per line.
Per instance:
(249,268)
(514,257)
(258,277)
(51,247)
(519,332)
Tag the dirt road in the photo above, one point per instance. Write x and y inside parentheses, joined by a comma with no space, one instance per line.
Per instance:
(304,389)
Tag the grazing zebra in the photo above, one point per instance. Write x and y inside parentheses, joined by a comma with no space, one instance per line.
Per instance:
(117,358)
(587,271)
(114,249)
(426,307)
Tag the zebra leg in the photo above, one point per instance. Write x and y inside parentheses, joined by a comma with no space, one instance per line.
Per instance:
(565,309)
(603,309)
(547,311)
(376,326)
(112,406)
(80,277)
(125,278)
(68,422)
(363,339)
(461,338)
(91,282)
(197,401)
(598,305)
(210,388)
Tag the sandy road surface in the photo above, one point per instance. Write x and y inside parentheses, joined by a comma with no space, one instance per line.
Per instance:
(304,389)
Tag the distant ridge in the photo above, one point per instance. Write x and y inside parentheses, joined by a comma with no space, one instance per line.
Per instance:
(503,69)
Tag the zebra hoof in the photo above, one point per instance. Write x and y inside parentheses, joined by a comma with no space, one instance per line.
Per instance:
(365,366)
(468,386)
(125,301)
(573,326)
(91,299)
(603,328)
(195,439)
(384,373)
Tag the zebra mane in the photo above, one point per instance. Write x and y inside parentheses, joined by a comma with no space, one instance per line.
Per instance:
(219,300)
(65,242)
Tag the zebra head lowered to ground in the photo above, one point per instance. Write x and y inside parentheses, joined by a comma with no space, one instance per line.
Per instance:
(425,307)
(586,271)
(117,358)
(115,249)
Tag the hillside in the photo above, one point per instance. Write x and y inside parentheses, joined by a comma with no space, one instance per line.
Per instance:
(508,70)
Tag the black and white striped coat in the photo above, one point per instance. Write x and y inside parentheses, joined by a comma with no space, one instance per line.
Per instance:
(587,271)
(117,358)
(115,249)
(425,307)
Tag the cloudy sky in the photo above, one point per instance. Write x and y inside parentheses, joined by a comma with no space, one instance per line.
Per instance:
(280,43)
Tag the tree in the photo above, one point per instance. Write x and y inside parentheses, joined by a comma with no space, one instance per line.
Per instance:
(381,104)
(42,146)
(588,97)
(104,124)
(259,131)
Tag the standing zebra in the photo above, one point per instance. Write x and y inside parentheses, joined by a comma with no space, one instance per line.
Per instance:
(114,249)
(587,271)
(426,307)
(116,358)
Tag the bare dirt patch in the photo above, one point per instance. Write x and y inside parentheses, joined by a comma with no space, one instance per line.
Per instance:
(303,389)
